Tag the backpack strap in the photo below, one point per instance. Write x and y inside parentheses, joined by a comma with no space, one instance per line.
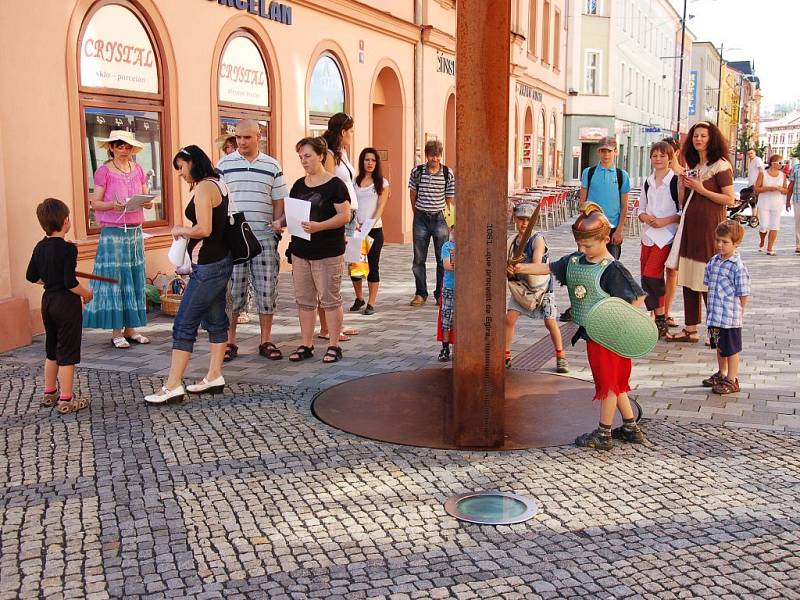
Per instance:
(446,174)
(589,179)
(673,190)
(620,179)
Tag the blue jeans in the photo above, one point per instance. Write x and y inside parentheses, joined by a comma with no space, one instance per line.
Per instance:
(203,302)
(427,226)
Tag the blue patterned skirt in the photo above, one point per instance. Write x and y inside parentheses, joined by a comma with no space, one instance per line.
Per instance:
(120,255)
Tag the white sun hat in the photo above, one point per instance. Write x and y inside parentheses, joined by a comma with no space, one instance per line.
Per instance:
(120,135)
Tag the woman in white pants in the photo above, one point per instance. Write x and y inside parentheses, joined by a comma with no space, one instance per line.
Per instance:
(771,187)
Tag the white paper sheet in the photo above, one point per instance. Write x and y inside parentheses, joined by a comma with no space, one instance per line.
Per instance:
(365,229)
(135,202)
(297,211)
(352,251)
(661,236)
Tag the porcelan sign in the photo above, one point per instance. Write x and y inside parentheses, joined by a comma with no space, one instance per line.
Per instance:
(116,52)
(242,75)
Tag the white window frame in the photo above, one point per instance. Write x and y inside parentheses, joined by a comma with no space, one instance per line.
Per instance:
(598,72)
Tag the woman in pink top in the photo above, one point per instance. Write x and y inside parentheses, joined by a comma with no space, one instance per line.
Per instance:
(120,252)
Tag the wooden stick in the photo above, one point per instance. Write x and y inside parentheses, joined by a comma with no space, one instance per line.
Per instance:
(96,277)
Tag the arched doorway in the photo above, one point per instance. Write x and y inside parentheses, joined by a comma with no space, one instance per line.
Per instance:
(387,138)
(449,157)
(527,150)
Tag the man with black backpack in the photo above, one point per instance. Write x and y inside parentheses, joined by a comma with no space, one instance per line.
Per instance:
(433,188)
(608,187)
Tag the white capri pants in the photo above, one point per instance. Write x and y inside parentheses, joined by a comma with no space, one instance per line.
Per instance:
(770,219)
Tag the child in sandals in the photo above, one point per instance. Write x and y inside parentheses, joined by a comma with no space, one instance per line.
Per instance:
(448,298)
(53,264)
(728,288)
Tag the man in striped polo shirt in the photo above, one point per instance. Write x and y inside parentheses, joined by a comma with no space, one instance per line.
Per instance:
(256,186)
(433,188)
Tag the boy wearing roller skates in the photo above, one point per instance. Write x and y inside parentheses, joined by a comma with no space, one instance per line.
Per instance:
(592,276)
(53,265)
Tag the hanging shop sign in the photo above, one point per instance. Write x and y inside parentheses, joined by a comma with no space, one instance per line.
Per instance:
(527,91)
(592,133)
(692,93)
(242,74)
(273,11)
(445,65)
(116,52)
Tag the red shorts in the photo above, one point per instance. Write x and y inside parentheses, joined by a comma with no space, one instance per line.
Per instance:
(611,372)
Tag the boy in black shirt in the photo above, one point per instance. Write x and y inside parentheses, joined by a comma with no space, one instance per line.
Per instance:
(53,264)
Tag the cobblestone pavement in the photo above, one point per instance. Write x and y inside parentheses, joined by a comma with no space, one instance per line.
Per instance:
(246,495)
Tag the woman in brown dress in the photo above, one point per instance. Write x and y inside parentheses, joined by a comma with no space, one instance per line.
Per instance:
(708,184)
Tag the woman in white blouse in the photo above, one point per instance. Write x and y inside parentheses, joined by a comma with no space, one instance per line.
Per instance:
(372,191)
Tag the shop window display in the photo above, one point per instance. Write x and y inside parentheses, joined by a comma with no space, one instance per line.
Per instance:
(326,95)
(121,88)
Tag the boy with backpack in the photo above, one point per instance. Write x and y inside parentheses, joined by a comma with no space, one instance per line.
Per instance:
(659,211)
(432,189)
(608,187)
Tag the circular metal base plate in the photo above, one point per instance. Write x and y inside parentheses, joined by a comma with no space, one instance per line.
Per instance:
(409,408)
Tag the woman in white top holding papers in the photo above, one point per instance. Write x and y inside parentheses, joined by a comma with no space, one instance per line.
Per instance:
(659,211)
(372,191)
(120,251)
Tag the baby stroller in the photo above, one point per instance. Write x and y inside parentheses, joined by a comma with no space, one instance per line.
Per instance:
(747,197)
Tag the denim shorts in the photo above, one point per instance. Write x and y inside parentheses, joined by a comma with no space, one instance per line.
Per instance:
(203,302)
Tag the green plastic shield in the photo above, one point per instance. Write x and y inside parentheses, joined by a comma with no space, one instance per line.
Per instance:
(622,328)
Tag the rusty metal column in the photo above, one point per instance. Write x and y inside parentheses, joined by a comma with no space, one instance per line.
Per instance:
(476,416)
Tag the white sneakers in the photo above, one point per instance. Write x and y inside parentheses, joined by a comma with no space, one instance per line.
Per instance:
(165,396)
(207,387)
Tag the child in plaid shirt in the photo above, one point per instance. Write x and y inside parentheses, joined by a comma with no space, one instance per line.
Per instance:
(728,288)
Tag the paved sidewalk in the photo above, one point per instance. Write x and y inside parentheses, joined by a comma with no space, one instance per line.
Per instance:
(246,495)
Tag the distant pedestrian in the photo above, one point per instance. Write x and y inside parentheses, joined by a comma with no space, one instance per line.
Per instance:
(754,169)
(227,143)
(447,306)
(53,264)
(728,289)
(608,187)
(793,203)
(373,192)
(772,188)
(708,182)
(432,188)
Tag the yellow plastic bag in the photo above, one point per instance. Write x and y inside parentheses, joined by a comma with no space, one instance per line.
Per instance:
(361,268)
(450,215)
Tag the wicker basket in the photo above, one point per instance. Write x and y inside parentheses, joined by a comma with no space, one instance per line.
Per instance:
(171,302)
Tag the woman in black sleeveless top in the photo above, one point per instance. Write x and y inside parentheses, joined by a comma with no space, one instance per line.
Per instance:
(204,298)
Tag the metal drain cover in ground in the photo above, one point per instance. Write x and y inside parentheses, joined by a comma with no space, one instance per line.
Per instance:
(491,508)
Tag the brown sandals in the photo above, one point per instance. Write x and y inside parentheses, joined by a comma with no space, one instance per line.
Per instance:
(684,336)
(726,386)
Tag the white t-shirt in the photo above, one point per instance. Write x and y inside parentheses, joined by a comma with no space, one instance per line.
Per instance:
(344,171)
(756,165)
(658,202)
(368,202)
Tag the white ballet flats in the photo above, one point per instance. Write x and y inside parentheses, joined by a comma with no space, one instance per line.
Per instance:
(207,387)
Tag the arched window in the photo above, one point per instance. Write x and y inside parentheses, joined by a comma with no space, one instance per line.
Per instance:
(326,95)
(540,145)
(551,158)
(121,87)
(243,86)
